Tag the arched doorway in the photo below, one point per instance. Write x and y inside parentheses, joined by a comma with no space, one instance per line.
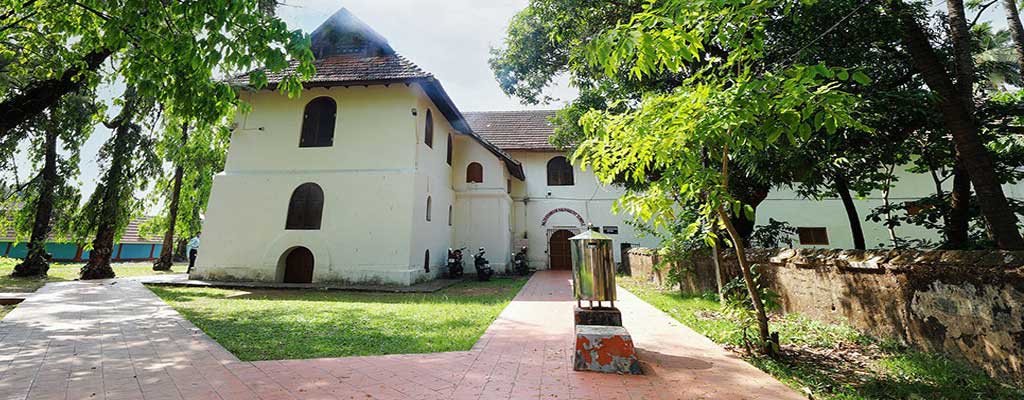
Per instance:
(558,250)
(298,266)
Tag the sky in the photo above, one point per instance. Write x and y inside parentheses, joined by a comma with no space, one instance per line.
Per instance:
(449,38)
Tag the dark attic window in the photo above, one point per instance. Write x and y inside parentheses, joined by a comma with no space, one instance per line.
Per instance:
(318,123)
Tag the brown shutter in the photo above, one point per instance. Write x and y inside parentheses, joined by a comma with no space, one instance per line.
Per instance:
(318,122)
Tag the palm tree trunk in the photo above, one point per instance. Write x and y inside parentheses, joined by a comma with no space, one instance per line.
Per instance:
(166,259)
(959,119)
(37,262)
(843,188)
(1016,30)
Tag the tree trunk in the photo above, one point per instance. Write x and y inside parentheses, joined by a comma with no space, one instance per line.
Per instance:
(843,188)
(768,343)
(717,260)
(37,262)
(959,210)
(768,346)
(166,260)
(98,266)
(180,249)
(957,115)
(1016,30)
(41,95)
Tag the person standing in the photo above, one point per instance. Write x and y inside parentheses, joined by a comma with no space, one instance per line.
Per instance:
(193,250)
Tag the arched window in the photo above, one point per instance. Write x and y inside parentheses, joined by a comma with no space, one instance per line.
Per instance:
(428,132)
(449,215)
(560,172)
(428,208)
(426,261)
(318,123)
(449,156)
(305,208)
(474,173)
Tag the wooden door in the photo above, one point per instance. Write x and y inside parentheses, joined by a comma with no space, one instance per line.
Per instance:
(298,266)
(558,250)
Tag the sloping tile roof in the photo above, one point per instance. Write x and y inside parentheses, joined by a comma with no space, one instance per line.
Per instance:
(514,130)
(131,234)
(348,52)
(350,69)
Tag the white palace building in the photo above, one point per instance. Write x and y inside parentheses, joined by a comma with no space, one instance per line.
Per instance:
(373,173)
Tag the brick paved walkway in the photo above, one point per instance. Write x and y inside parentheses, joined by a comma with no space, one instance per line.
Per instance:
(116,340)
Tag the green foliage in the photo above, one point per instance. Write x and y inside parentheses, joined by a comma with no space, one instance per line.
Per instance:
(174,52)
(774,234)
(71,122)
(201,157)
(128,164)
(739,307)
(290,324)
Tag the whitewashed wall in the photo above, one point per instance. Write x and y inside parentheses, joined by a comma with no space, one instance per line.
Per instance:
(482,210)
(587,197)
(784,204)
(369,178)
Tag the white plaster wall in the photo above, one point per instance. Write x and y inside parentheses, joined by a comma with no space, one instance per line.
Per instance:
(369,178)
(784,204)
(434,179)
(482,210)
(588,197)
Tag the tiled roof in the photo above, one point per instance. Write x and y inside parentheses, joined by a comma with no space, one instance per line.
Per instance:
(514,130)
(131,234)
(351,68)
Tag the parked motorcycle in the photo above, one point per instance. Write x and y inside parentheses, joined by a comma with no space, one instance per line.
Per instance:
(483,267)
(455,267)
(522,267)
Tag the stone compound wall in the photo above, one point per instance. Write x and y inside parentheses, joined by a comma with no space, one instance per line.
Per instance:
(969,304)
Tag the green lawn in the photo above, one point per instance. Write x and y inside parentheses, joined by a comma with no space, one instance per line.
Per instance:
(298,324)
(834,361)
(4,309)
(68,272)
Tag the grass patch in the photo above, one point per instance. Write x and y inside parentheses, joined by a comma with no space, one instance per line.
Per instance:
(60,272)
(301,324)
(834,361)
(4,309)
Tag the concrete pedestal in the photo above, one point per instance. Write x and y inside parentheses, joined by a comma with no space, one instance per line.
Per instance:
(607,316)
(607,349)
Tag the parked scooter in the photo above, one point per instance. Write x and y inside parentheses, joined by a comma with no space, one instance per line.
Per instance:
(522,267)
(455,267)
(483,267)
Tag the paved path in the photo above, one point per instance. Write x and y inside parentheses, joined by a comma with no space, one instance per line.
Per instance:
(116,340)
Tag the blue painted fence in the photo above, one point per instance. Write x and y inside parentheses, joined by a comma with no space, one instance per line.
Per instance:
(72,252)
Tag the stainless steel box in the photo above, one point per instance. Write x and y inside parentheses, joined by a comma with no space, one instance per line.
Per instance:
(593,267)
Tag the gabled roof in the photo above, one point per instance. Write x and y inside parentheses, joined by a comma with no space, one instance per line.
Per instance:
(349,53)
(515,130)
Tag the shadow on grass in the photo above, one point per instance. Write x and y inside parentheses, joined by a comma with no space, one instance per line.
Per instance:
(493,292)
